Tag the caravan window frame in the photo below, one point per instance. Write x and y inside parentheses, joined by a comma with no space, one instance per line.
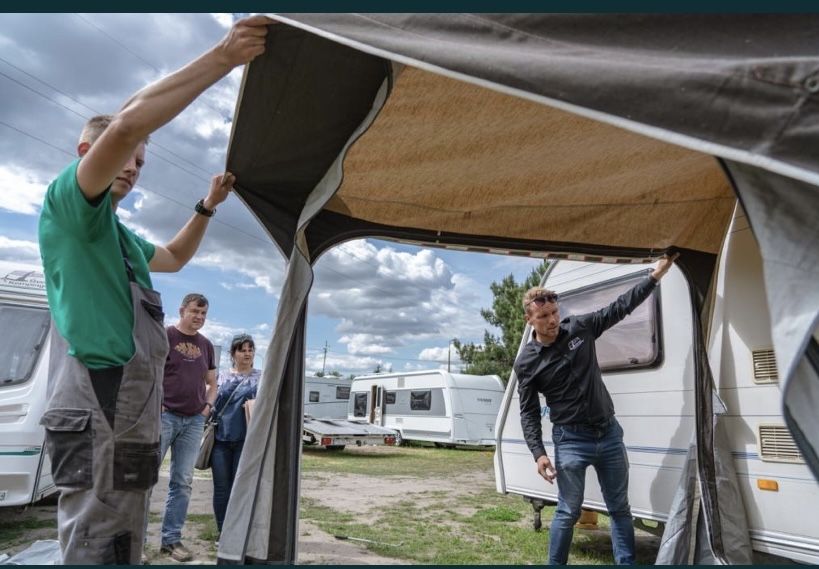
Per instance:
(654,302)
(37,341)
(315,394)
(343,392)
(390,397)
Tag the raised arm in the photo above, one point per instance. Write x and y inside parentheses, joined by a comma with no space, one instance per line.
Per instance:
(607,317)
(179,250)
(158,103)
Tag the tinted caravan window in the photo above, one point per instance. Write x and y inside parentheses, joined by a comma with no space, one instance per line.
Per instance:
(634,342)
(360,405)
(314,397)
(343,392)
(420,400)
(390,397)
(24,331)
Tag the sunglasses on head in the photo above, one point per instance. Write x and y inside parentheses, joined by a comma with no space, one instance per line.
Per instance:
(242,338)
(539,301)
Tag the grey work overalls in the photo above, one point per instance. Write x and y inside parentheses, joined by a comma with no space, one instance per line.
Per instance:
(104,442)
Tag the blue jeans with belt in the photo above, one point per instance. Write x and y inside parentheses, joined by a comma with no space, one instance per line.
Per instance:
(576,448)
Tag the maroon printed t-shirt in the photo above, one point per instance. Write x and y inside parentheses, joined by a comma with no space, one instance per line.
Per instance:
(189,359)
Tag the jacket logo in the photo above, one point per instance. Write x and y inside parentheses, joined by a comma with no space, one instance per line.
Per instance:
(575,343)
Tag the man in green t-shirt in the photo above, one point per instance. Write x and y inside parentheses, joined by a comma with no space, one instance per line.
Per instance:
(108,342)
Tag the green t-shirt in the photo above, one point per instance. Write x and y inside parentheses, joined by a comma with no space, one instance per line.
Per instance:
(87,285)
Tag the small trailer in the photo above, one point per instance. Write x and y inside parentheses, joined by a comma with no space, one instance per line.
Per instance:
(436,406)
(336,434)
(25,469)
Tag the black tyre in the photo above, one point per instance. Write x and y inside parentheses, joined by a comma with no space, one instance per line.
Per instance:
(335,447)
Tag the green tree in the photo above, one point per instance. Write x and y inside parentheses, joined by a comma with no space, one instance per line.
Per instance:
(497,354)
(335,373)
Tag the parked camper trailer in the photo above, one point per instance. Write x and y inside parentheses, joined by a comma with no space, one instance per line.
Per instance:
(647,363)
(326,397)
(435,405)
(25,469)
(325,417)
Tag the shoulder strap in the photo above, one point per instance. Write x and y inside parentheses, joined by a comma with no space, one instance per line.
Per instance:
(232,393)
(129,268)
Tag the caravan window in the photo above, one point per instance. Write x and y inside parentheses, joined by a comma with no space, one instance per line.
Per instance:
(342,392)
(420,400)
(314,397)
(390,397)
(20,349)
(360,405)
(636,341)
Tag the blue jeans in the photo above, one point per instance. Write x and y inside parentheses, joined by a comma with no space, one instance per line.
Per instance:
(577,447)
(224,463)
(182,435)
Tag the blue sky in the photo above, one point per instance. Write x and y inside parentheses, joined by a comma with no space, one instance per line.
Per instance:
(373,302)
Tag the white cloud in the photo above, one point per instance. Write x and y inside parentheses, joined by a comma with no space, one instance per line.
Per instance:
(21,190)
(17,250)
(439,355)
(365,344)
(224,20)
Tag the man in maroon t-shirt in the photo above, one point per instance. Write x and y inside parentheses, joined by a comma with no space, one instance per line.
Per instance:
(189,393)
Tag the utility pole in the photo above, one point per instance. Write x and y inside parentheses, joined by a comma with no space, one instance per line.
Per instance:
(324,361)
(449,357)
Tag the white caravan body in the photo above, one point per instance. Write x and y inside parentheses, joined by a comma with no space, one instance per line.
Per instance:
(326,397)
(434,405)
(25,469)
(647,362)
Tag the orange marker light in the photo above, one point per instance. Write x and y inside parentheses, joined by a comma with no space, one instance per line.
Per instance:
(771,485)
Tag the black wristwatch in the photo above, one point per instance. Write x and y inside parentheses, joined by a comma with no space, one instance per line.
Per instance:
(201,209)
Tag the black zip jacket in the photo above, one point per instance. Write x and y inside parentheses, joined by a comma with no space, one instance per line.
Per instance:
(566,372)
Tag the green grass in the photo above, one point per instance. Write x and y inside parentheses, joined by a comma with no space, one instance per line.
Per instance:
(207,526)
(11,532)
(417,461)
(441,528)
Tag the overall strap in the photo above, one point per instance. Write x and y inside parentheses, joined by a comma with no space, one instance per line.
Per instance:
(129,268)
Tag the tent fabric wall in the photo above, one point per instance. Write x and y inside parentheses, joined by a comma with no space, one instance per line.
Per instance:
(679,89)
(784,215)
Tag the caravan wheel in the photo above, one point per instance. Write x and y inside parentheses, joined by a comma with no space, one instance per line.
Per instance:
(335,447)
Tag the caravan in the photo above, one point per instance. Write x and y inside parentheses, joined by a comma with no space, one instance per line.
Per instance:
(25,470)
(326,397)
(647,363)
(436,406)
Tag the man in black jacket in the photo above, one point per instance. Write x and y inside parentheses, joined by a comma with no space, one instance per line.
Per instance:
(561,363)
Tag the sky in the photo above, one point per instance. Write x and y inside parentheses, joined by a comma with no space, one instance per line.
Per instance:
(373,303)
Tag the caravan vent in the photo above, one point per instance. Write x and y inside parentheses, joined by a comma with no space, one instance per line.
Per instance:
(777,445)
(765,367)
(400,382)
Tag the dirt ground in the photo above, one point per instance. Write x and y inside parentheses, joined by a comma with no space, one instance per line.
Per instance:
(315,546)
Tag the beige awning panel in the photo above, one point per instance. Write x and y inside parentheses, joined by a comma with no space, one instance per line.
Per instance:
(561,177)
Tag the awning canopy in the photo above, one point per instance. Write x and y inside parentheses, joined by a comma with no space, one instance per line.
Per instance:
(611,138)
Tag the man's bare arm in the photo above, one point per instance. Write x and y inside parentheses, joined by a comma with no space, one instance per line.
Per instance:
(179,250)
(158,103)
(210,391)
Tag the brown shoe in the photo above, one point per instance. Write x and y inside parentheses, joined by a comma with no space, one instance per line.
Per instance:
(177,551)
